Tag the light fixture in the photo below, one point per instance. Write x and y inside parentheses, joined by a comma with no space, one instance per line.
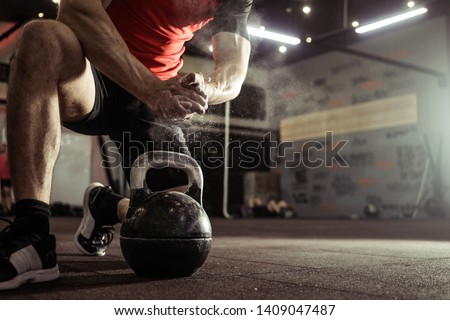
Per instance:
(308,40)
(355,24)
(306,9)
(40,15)
(282,49)
(411,4)
(392,20)
(55,1)
(210,48)
(257,32)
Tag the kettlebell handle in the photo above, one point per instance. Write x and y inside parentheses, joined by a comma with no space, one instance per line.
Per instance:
(167,159)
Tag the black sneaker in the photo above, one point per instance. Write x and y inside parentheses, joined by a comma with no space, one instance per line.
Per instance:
(25,257)
(92,237)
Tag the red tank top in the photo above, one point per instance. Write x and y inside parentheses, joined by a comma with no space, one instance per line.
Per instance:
(156,30)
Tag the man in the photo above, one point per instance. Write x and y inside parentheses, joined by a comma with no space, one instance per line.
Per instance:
(104,67)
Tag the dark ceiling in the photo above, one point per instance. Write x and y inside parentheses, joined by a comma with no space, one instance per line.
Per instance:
(284,16)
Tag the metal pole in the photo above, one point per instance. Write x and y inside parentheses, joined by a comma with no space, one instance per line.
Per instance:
(345,15)
(226,161)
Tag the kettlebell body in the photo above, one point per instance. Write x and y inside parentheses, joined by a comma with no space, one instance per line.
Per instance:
(165,233)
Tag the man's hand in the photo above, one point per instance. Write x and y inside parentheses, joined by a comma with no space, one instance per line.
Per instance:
(196,82)
(180,98)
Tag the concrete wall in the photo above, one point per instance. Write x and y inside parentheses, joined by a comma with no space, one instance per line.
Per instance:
(386,166)
(72,172)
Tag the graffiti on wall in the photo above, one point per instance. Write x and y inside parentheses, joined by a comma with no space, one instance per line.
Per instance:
(387,166)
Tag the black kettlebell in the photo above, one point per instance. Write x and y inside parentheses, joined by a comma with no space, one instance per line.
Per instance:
(165,233)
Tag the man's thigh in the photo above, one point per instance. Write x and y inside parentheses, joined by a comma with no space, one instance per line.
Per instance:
(76,95)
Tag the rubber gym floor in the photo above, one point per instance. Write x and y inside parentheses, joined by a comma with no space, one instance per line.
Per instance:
(272,259)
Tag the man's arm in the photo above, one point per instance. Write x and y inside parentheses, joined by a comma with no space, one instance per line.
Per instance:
(231,49)
(106,50)
(231,56)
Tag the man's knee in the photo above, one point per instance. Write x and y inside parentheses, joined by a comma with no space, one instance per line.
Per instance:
(40,34)
(43,40)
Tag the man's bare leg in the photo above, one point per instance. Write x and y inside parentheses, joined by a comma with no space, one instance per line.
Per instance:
(122,209)
(50,81)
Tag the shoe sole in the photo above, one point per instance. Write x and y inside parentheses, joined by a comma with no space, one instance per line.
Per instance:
(86,216)
(33,276)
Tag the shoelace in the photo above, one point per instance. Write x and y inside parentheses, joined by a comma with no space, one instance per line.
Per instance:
(105,234)
(103,237)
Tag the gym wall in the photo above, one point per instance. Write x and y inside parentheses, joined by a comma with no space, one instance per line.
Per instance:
(72,172)
(394,119)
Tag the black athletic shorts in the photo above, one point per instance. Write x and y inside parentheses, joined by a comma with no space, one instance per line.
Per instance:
(129,123)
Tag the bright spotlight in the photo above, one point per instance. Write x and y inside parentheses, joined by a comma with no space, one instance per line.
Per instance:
(306,9)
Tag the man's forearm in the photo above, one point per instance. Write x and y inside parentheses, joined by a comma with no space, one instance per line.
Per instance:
(225,84)
(231,56)
(97,34)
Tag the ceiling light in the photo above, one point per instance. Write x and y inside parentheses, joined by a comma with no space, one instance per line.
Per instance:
(40,15)
(282,49)
(392,20)
(411,4)
(306,9)
(257,32)
(355,24)
(289,10)
(308,40)
(55,1)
